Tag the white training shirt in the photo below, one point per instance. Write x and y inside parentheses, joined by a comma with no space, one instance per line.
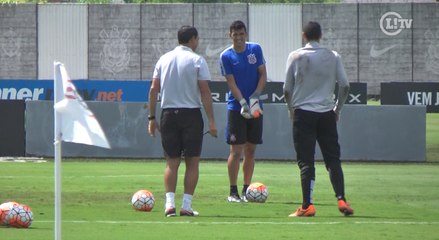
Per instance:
(179,71)
(311,75)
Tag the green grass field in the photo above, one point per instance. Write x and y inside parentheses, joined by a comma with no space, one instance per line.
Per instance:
(391,201)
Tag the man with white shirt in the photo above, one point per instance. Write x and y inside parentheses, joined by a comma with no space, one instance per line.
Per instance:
(182,78)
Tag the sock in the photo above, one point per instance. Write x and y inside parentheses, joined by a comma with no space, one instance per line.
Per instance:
(341,198)
(306,205)
(244,189)
(233,190)
(187,202)
(170,200)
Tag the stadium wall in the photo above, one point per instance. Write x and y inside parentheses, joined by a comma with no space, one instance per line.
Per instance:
(379,42)
(372,133)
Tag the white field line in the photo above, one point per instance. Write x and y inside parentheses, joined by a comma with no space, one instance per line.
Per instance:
(245,223)
(110,176)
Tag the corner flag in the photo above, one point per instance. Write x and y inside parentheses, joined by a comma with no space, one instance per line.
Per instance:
(78,123)
(74,122)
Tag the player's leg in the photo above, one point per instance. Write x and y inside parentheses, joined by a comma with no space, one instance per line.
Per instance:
(236,138)
(170,180)
(192,125)
(233,163)
(304,136)
(327,138)
(254,137)
(249,162)
(190,183)
(172,148)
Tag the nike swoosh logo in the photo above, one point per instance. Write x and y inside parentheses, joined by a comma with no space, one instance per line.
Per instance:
(376,53)
(210,52)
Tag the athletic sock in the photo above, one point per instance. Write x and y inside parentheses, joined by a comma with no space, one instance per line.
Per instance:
(306,205)
(170,200)
(244,189)
(187,202)
(233,190)
(341,198)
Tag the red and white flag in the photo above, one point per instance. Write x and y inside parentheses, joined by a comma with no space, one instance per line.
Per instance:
(77,123)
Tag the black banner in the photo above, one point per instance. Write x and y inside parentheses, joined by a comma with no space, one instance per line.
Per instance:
(274,91)
(411,93)
(12,132)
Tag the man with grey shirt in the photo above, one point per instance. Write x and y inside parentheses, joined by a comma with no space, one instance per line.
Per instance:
(311,76)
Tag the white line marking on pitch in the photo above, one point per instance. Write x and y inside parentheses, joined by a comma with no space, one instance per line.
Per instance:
(245,223)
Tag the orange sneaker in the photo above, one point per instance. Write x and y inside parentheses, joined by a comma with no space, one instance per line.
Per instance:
(344,208)
(300,212)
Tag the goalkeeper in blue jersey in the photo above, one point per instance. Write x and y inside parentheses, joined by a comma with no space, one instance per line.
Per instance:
(243,66)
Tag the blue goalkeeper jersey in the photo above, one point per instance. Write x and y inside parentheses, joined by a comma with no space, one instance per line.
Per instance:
(244,68)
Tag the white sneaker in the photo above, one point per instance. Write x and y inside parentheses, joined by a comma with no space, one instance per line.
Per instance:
(234,198)
(244,199)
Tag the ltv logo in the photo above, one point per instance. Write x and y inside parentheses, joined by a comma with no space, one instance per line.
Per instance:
(392,23)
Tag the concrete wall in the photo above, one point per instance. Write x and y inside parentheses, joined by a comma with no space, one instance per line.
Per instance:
(374,133)
(379,42)
(18,41)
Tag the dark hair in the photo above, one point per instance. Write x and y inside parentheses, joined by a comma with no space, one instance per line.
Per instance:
(186,33)
(237,25)
(312,31)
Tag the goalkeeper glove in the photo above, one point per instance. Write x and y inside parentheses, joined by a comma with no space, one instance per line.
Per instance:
(245,110)
(255,109)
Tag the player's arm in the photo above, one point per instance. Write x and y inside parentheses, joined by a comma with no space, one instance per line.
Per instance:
(262,72)
(233,87)
(343,86)
(152,102)
(206,99)
(288,87)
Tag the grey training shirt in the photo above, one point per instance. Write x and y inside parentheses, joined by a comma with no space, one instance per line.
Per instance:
(311,75)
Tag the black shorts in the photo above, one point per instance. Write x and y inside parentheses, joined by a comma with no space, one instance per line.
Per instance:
(240,130)
(182,132)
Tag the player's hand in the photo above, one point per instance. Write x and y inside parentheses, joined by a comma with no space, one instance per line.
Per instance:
(337,115)
(255,109)
(245,109)
(291,114)
(212,130)
(152,126)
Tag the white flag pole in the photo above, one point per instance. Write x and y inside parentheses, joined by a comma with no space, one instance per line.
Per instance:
(57,147)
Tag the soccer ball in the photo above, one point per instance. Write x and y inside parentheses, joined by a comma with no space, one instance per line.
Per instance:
(257,192)
(16,215)
(5,208)
(20,216)
(143,200)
